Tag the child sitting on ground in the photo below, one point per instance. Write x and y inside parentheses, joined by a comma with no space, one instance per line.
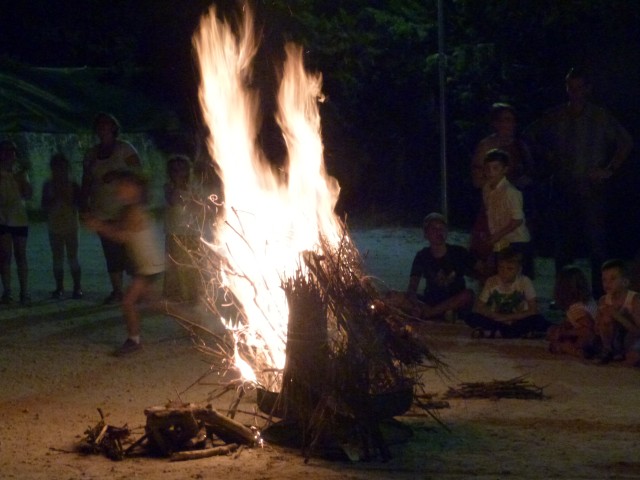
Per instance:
(443,266)
(576,334)
(136,230)
(507,303)
(618,316)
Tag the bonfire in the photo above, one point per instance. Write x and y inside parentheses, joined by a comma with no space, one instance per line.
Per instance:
(304,325)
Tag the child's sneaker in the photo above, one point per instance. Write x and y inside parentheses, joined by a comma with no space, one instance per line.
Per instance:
(77,294)
(129,347)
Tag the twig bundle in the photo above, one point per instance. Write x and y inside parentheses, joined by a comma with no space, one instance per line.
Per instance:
(105,439)
(517,387)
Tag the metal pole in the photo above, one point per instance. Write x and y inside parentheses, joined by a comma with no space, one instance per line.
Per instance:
(443,124)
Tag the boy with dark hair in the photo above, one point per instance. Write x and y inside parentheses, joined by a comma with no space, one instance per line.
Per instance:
(443,266)
(505,216)
(507,303)
(618,316)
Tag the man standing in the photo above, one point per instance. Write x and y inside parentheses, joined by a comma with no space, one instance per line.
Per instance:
(582,145)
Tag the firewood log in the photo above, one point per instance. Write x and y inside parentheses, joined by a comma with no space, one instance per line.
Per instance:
(207,452)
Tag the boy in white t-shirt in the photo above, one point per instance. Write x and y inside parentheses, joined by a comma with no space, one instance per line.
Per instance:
(505,214)
(507,303)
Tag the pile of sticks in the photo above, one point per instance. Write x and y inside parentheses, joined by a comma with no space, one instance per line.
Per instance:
(105,439)
(517,387)
(177,431)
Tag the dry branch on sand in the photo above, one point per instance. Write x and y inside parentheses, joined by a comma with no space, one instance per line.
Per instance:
(105,439)
(181,432)
(514,388)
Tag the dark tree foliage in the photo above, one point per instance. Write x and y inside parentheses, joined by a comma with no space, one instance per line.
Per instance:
(379,63)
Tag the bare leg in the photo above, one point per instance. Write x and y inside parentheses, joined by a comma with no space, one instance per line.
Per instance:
(74,265)
(57,254)
(6,253)
(20,249)
(136,292)
(116,281)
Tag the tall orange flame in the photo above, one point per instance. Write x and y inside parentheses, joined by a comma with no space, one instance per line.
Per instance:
(268,219)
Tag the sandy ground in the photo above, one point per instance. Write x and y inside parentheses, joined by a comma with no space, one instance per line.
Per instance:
(55,371)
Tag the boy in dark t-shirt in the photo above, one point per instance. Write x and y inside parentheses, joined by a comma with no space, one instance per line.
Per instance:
(443,266)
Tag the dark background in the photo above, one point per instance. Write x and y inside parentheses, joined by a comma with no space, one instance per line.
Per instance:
(379,63)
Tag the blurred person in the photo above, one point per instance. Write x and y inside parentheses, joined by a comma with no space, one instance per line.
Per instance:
(110,155)
(60,202)
(15,189)
(136,231)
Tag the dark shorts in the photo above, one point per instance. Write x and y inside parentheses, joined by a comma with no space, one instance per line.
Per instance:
(114,255)
(14,231)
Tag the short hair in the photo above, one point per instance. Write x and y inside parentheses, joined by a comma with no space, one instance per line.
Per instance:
(499,107)
(434,217)
(509,255)
(497,155)
(571,286)
(616,264)
(104,117)
(578,72)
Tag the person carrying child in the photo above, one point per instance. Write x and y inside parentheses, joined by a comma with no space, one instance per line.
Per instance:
(618,316)
(503,205)
(507,303)
(60,201)
(443,266)
(576,334)
(136,230)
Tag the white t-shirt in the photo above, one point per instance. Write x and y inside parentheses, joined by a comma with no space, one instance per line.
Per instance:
(508,297)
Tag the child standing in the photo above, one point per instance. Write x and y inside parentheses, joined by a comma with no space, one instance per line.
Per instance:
(618,317)
(507,303)
(60,201)
(15,189)
(136,230)
(183,224)
(576,334)
(505,216)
